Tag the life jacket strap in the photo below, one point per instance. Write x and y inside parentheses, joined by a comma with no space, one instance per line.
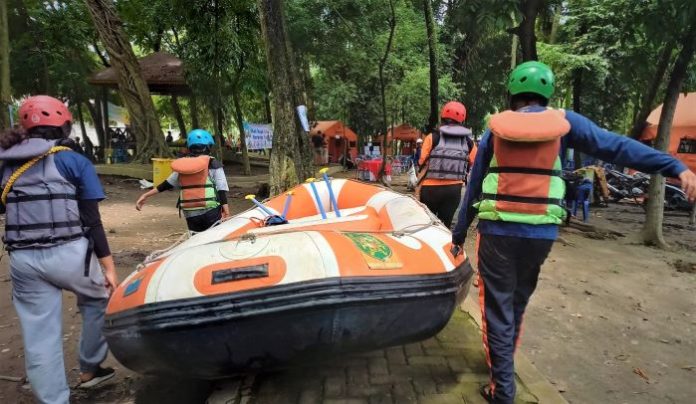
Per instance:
(521,199)
(525,170)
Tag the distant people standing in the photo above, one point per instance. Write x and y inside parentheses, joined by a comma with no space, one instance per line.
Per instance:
(317,143)
(445,158)
(417,152)
(169,138)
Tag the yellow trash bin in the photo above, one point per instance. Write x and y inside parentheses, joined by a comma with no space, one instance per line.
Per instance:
(161,169)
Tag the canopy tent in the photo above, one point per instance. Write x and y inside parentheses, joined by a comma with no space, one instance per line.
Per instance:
(163,72)
(405,133)
(682,143)
(338,137)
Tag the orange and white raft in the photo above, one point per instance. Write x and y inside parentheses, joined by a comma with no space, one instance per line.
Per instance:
(243,296)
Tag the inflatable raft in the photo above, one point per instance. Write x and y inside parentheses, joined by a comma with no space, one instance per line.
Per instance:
(241,296)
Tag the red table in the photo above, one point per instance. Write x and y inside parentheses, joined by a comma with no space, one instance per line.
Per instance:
(373,167)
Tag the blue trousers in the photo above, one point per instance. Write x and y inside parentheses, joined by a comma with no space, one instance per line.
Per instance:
(509,270)
(39,276)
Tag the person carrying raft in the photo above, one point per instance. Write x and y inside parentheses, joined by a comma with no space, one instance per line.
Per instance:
(201,181)
(516,189)
(56,241)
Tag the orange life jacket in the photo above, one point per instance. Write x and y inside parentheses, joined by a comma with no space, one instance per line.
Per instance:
(197,189)
(523,183)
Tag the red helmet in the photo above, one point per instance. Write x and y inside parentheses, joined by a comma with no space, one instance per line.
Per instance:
(42,110)
(454,110)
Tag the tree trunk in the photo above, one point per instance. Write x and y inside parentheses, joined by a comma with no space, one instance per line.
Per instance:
(291,159)
(577,107)
(513,51)
(132,85)
(432,56)
(99,127)
(267,107)
(89,147)
(219,124)
(238,117)
(555,24)
(382,86)
(5,91)
(648,99)
(526,29)
(193,111)
(178,115)
(652,229)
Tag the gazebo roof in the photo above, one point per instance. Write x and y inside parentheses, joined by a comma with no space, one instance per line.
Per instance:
(164,74)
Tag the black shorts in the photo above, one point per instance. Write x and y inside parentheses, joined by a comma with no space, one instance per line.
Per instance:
(203,222)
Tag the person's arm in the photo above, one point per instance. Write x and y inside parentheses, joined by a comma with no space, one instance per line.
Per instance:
(80,172)
(221,186)
(588,138)
(467,212)
(425,150)
(91,220)
(166,185)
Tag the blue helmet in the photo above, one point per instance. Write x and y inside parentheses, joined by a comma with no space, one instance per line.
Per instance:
(199,137)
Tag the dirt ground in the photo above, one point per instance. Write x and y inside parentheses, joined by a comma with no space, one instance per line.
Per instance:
(611,321)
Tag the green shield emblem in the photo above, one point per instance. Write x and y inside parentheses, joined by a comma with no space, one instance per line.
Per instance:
(370,246)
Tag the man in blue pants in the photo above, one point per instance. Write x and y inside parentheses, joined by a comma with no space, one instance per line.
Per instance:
(516,189)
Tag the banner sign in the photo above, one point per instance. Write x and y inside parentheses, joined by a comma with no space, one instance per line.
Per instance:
(258,136)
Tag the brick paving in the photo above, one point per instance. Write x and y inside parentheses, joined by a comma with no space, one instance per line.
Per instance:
(448,368)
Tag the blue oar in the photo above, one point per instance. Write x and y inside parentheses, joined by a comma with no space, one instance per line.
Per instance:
(332,197)
(252,198)
(316,196)
(287,204)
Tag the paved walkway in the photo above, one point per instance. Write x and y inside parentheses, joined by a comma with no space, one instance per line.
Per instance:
(448,368)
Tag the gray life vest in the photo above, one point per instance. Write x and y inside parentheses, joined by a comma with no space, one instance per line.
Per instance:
(449,159)
(41,207)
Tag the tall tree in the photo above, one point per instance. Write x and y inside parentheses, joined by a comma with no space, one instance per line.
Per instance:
(526,29)
(432,58)
(382,85)
(652,229)
(291,160)
(5,90)
(132,85)
(648,98)
(174,100)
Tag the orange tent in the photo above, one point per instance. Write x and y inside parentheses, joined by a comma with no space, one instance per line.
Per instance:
(338,138)
(682,143)
(406,133)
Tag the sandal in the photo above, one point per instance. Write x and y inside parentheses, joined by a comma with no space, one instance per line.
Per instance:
(100,375)
(486,393)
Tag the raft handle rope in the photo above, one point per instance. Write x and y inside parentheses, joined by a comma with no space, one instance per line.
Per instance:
(24,167)
(434,221)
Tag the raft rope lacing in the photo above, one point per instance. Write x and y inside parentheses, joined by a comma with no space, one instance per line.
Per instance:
(21,170)
(155,255)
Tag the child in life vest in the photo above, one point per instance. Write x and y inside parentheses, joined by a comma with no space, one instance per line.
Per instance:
(201,182)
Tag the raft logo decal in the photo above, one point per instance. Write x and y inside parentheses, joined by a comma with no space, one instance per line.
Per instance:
(376,252)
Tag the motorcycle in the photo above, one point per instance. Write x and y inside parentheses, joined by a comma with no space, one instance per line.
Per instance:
(624,186)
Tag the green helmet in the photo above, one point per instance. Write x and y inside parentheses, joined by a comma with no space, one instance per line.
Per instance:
(532,77)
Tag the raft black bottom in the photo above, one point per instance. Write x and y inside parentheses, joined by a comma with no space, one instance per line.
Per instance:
(214,337)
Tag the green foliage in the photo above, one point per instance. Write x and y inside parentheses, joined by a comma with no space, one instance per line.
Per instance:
(613,44)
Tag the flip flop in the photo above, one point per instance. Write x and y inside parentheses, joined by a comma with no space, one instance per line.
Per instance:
(485,391)
(100,376)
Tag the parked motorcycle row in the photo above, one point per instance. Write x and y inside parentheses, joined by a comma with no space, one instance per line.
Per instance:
(623,186)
